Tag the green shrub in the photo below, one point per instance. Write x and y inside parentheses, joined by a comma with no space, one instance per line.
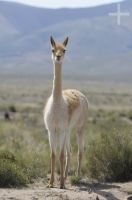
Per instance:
(11,174)
(7,155)
(130,115)
(110,157)
(12,108)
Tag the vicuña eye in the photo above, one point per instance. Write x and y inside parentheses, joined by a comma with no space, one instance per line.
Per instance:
(64,51)
(53,51)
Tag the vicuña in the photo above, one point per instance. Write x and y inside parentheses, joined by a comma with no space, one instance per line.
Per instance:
(64,110)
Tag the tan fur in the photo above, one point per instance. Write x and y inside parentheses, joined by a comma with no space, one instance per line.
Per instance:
(72,97)
(59,46)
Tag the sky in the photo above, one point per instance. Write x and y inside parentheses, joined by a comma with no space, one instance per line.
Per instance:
(63,3)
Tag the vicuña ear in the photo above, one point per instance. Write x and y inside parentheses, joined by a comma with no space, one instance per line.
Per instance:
(52,41)
(65,41)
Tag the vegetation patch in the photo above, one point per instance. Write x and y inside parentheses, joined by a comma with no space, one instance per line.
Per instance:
(12,108)
(11,174)
(110,157)
(74,180)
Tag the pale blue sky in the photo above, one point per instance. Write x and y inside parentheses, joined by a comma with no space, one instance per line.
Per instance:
(63,3)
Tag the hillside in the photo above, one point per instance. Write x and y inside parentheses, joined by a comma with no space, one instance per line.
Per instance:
(97,44)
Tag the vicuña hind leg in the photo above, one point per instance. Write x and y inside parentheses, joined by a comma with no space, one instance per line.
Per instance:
(80,140)
(68,154)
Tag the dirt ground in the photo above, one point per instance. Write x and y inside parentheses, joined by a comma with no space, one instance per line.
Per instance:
(84,191)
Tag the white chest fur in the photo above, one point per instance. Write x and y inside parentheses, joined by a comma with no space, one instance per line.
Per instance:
(56,116)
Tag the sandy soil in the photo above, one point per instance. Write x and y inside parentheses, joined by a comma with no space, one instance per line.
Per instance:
(85,191)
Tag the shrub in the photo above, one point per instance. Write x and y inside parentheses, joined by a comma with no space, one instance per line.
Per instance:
(130,115)
(11,174)
(7,155)
(110,157)
(12,108)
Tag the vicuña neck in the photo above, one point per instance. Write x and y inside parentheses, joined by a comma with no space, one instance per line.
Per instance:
(57,82)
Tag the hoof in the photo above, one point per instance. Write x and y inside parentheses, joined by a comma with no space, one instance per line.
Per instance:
(62,187)
(50,185)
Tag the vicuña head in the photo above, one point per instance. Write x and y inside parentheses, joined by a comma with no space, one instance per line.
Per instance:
(58,50)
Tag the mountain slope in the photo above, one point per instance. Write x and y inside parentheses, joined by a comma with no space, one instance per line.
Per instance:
(97,44)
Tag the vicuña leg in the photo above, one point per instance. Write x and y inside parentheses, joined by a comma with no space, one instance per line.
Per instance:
(51,183)
(80,150)
(68,154)
(62,159)
(52,140)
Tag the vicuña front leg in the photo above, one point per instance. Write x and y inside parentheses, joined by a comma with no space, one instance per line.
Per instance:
(62,159)
(52,140)
(51,183)
(67,164)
